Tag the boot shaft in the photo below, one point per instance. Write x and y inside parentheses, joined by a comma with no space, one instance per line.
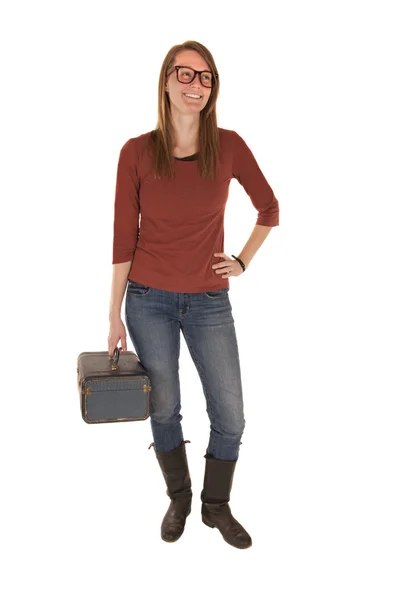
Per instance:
(218,480)
(174,467)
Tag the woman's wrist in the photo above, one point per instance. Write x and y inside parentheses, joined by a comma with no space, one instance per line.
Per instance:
(240,261)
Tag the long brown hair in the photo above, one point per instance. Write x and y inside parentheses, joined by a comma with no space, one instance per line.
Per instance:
(162,138)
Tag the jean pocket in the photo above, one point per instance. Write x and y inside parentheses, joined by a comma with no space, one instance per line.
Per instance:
(217,293)
(137,289)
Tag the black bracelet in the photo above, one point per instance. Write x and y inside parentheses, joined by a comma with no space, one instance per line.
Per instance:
(240,261)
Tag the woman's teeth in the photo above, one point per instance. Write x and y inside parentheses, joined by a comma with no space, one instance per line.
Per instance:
(192,96)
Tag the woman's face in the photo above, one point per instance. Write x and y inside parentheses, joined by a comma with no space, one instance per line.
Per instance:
(177,90)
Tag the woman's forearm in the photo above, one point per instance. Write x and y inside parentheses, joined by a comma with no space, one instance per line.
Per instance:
(118,286)
(257,237)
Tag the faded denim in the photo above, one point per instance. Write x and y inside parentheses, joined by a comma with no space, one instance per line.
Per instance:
(154,319)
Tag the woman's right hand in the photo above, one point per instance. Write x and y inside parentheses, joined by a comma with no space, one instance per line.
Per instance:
(117,332)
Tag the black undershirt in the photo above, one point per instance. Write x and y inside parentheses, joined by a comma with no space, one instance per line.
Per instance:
(192,157)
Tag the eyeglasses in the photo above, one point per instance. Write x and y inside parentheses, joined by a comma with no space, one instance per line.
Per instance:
(187,75)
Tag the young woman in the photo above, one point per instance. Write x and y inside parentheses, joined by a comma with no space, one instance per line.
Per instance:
(171,192)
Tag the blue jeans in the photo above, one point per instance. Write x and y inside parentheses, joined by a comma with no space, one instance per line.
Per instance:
(154,319)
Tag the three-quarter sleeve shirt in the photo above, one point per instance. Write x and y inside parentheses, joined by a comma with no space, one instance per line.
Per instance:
(171,228)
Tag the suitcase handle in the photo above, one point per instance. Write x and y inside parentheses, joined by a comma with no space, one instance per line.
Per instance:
(115,358)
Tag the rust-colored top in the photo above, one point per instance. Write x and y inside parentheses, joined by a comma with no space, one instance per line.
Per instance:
(172,228)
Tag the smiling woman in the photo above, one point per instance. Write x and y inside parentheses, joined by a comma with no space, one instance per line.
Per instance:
(171,193)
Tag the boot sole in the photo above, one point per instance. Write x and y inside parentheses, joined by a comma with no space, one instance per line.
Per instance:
(171,541)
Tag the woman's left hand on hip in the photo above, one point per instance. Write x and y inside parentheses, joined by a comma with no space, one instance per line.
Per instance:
(229,266)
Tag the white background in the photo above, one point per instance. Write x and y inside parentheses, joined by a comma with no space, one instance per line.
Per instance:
(312,87)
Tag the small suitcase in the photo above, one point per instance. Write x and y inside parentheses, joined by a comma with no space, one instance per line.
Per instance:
(112,389)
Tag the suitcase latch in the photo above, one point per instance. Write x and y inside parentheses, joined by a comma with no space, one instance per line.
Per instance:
(147,388)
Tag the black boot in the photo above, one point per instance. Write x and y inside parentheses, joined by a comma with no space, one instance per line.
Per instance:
(174,467)
(215,497)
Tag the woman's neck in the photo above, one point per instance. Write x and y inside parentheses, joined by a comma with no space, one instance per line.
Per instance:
(186,130)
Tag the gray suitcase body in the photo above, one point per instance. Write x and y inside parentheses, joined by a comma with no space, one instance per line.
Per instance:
(112,389)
